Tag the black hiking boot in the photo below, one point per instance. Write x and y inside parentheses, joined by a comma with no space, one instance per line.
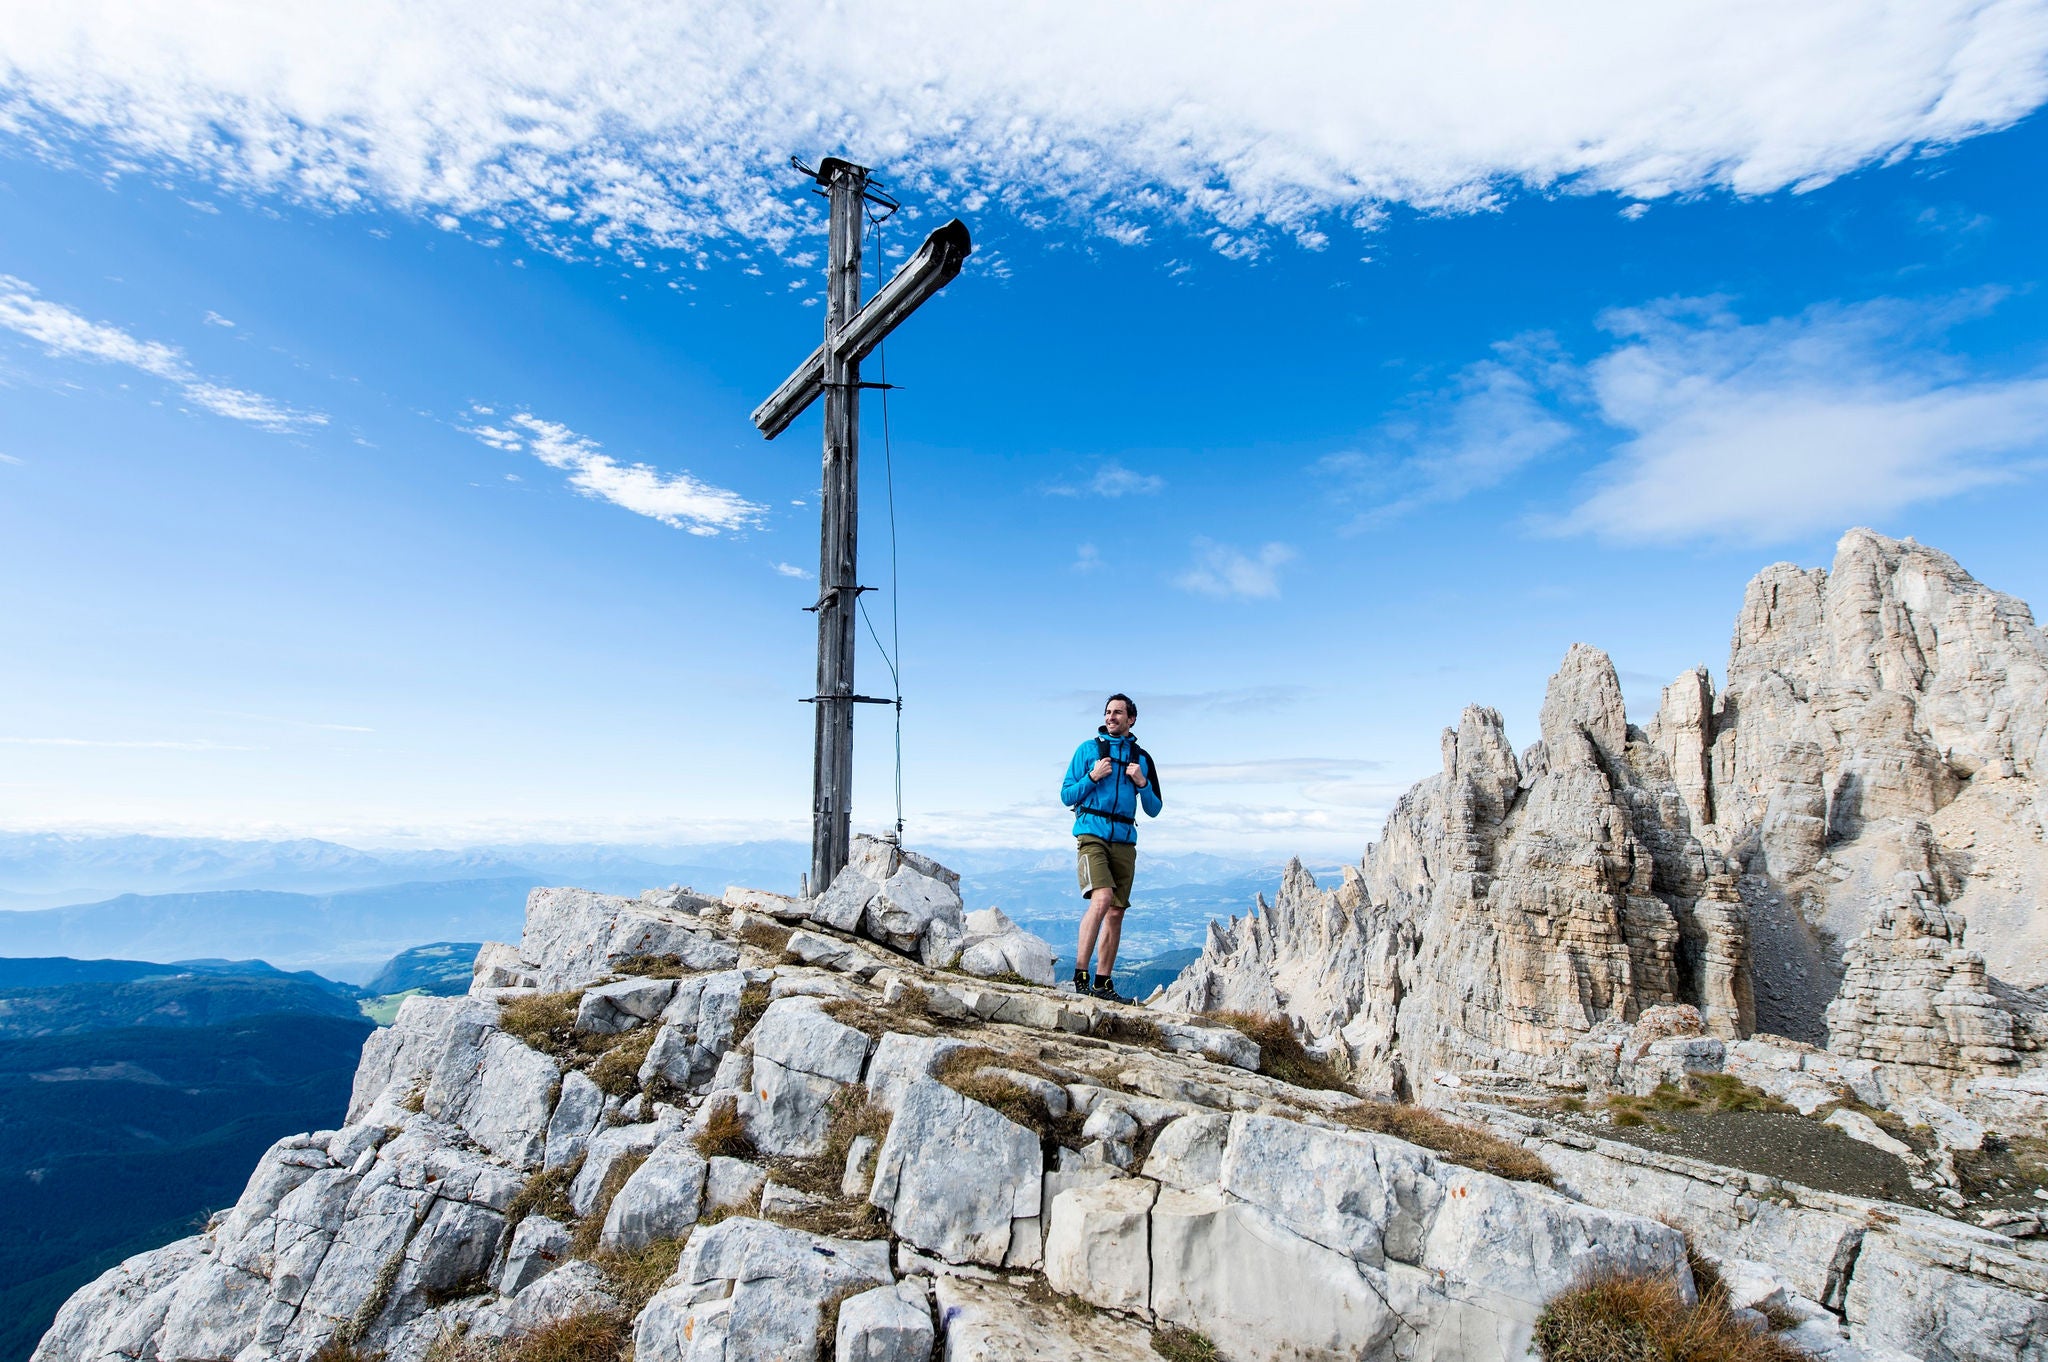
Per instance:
(1081,981)
(1105,989)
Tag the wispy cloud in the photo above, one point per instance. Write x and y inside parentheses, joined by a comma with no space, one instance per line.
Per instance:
(1762,431)
(1111,480)
(1486,426)
(588,119)
(68,335)
(1228,573)
(215,319)
(1274,771)
(1709,426)
(10,459)
(675,499)
(1087,558)
(792,570)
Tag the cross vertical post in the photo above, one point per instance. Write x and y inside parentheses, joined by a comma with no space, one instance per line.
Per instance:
(852,331)
(839,534)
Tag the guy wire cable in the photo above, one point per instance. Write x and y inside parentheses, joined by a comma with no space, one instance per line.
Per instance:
(889,472)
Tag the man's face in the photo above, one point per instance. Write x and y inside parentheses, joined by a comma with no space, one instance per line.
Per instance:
(1116,718)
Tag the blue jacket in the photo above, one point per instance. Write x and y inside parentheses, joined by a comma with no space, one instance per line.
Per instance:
(1114,793)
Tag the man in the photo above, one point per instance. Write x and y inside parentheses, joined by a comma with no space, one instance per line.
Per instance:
(1108,779)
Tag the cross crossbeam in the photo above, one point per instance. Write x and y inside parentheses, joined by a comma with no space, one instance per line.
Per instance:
(852,332)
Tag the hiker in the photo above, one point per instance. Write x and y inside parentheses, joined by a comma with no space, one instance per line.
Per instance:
(1108,778)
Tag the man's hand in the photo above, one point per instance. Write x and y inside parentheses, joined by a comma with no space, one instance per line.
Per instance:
(1136,771)
(1100,769)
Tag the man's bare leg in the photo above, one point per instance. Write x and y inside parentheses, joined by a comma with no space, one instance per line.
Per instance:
(1105,944)
(1101,917)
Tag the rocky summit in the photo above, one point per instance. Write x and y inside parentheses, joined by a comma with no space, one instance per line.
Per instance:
(1843,847)
(1742,1002)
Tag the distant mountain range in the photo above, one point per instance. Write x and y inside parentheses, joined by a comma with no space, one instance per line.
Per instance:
(344,912)
(190,999)
(47,870)
(346,935)
(441,968)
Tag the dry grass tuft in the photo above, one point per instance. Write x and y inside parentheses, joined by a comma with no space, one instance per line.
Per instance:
(966,1072)
(597,1336)
(454,1344)
(583,1244)
(1116,1024)
(546,1022)
(836,1220)
(342,1349)
(636,1274)
(766,936)
(1702,1093)
(724,1133)
(1645,1319)
(546,1192)
(1183,1345)
(1461,1144)
(852,1114)
(654,966)
(754,1001)
(1281,1053)
(909,1015)
(617,1070)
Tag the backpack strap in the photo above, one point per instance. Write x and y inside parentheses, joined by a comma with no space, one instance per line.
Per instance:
(1151,767)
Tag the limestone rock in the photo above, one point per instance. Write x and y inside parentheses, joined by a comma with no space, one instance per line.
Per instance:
(897,897)
(623,1005)
(538,1245)
(732,1183)
(1189,1152)
(765,1286)
(660,1200)
(574,936)
(1883,718)
(887,1324)
(802,1058)
(953,1174)
(1231,1271)
(578,1113)
(1098,1244)
(995,945)
(993,1321)
(1912,995)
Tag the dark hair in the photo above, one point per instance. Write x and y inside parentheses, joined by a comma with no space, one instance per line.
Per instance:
(1129,704)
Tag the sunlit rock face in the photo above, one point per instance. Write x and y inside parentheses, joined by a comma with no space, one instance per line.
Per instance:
(513,1159)
(1882,725)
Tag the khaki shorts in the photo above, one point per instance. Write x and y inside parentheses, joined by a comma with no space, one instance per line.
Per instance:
(1106,865)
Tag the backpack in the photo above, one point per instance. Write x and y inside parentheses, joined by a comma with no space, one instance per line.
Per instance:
(1137,754)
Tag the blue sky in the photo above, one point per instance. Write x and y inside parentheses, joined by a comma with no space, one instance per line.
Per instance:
(374,453)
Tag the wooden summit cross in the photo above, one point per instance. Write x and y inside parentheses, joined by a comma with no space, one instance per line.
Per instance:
(851,332)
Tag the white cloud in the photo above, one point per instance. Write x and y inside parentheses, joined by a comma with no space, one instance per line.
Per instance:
(1718,428)
(1485,427)
(67,335)
(10,459)
(627,123)
(215,319)
(1111,480)
(1222,571)
(792,570)
(1762,431)
(675,499)
(1087,558)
